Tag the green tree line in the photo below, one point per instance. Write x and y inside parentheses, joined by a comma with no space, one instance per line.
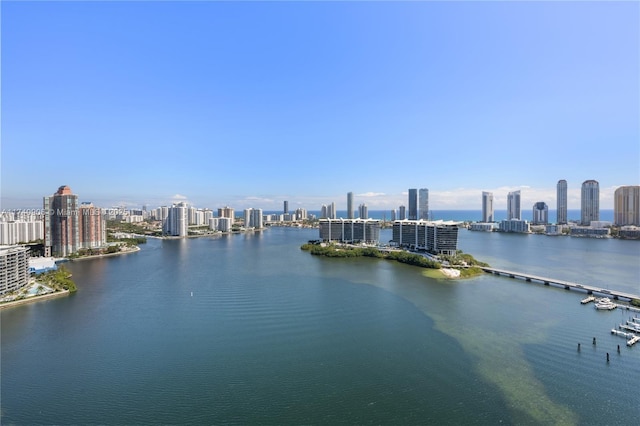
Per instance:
(399,256)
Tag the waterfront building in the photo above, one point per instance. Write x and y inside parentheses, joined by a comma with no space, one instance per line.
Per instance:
(540,214)
(192,215)
(630,232)
(363,211)
(402,213)
(433,236)
(487,207)
(589,202)
(514,225)
(14,268)
(253,218)
(93,228)
(227,211)
(413,204)
(589,231)
(553,229)
(286,207)
(61,227)
(561,190)
(482,226)
(177,222)
(423,204)
(350,205)
(222,224)
(513,205)
(626,206)
(393,215)
(350,230)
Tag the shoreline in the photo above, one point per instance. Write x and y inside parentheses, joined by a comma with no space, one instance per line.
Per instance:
(98,256)
(34,299)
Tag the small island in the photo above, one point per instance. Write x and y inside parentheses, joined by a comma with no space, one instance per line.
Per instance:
(460,265)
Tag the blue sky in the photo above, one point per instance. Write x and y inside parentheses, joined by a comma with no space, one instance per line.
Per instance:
(249,104)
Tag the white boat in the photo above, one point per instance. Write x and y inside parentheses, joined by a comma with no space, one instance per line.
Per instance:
(605,304)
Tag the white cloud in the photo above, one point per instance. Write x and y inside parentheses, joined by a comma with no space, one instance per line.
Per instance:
(179,197)
(371,194)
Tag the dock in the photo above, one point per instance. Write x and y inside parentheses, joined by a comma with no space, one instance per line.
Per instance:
(568,285)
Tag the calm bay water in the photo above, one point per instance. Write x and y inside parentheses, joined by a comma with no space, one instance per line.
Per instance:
(250,329)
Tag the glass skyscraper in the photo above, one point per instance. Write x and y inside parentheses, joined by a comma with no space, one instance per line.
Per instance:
(413,204)
(487,207)
(561,217)
(590,202)
(423,203)
(513,205)
(349,205)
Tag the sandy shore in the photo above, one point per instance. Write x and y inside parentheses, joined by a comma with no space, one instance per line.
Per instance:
(98,256)
(450,273)
(34,299)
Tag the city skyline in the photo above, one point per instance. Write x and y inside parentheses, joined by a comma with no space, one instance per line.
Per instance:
(379,201)
(245,104)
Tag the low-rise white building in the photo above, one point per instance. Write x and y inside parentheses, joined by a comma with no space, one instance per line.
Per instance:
(514,225)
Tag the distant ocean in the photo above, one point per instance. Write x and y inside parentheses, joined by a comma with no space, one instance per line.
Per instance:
(470,215)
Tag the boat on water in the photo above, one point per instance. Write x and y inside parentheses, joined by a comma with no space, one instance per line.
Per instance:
(605,304)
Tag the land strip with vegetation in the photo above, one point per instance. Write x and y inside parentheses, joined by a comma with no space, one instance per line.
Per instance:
(466,263)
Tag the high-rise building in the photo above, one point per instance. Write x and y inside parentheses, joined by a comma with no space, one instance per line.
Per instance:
(540,213)
(393,215)
(513,205)
(349,205)
(561,189)
(331,211)
(423,202)
(363,211)
(626,206)
(253,218)
(435,236)
(487,207)
(226,211)
(402,213)
(350,230)
(93,230)
(286,207)
(177,222)
(61,227)
(590,202)
(301,214)
(20,231)
(14,268)
(413,204)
